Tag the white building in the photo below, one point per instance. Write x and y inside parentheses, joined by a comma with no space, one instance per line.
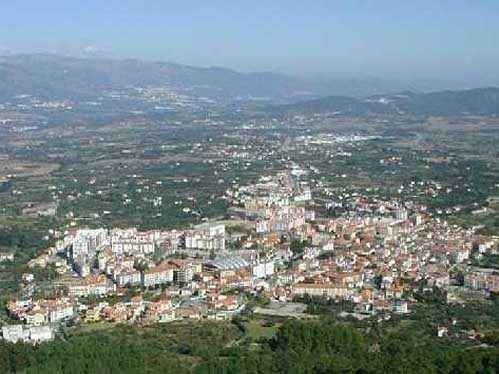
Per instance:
(13,333)
(305,195)
(128,278)
(36,317)
(208,236)
(6,256)
(86,242)
(401,214)
(38,334)
(263,269)
(262,226)
(61,312)
(158,275)
(31,334)
(130,241)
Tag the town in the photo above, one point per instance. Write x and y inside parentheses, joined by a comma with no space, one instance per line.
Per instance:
(277,244)
(240,187)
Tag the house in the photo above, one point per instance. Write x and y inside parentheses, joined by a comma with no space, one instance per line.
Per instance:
(442,331)
(160,311)
(400,307)
(118,312)
(92,315)
(36,317)
(226,303)
(482,279)
(438,279)
(188,312)
(41,311)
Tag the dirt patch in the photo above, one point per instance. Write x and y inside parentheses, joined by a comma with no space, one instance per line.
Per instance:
(10,168)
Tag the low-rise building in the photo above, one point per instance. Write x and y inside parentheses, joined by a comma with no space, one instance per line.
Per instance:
(319,289)
(28,334)
(6,256)
(97,285)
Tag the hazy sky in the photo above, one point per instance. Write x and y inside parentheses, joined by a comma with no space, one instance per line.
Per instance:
(443,38)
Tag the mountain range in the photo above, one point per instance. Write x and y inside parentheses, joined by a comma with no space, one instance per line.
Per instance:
(61,77)
(51,76)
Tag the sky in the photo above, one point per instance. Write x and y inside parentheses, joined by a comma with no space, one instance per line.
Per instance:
(450,39)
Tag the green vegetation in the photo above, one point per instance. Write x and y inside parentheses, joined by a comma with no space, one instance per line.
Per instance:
(401,344)
(297,246)
(297,347)
(25,241)
(257,329)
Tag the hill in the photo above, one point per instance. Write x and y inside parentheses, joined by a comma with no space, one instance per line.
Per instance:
(480,101)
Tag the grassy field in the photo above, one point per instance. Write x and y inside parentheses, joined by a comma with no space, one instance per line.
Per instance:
(257,329)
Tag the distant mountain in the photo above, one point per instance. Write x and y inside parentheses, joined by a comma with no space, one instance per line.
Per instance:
(51,76)
(54,76)
(480,101)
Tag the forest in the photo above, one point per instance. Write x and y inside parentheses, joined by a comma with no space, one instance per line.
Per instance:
(302,347)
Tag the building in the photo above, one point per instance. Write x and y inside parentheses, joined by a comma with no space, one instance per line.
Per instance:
(482,279)
(96,285)
(183,271)
(207,236)
(128,278)
(319,289)
(42,311)
(400,214)
(262,226)
(132,242)
(161,274)
(13,333)
(6,256)
(304,195)
(223,263)
(86,242)
(28,334)
(38,334)
(400,307)
(263,269)
(160,311)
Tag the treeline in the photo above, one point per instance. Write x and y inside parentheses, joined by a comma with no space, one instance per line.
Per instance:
(89,354)
(319,348)
(300,347)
